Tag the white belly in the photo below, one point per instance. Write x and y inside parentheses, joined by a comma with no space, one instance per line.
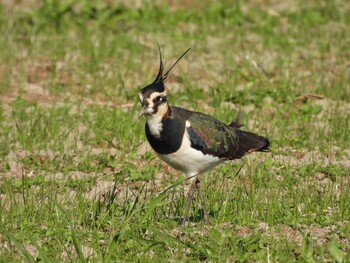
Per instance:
(190,161)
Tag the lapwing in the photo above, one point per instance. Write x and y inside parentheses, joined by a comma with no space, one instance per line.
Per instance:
(190,141)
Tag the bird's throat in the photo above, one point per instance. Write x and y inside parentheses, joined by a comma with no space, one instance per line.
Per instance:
(154,121)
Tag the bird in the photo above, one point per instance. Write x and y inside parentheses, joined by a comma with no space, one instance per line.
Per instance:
(189,141)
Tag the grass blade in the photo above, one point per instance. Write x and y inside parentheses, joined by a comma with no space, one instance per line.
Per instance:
(77,246)
(20,247)
(336,253)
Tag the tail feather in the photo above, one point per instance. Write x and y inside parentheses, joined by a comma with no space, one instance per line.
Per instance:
(247,141)
(237,123)
(250,142)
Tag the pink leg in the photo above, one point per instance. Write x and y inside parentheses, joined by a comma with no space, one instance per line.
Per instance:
(189,201)
(205,215)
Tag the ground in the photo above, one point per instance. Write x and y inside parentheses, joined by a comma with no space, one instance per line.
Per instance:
(78,181)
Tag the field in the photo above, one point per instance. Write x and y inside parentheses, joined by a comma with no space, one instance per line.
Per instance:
(78,181)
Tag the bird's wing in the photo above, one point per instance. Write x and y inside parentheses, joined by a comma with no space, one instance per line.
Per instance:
(213,137)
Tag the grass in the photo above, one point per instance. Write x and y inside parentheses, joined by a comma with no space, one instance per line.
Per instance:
(76,180)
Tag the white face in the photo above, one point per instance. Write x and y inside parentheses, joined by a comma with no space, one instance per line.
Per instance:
(155,103)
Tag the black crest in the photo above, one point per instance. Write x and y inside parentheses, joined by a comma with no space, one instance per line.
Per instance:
(158,84)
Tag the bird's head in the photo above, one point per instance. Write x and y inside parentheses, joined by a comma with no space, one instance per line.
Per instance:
(153,96)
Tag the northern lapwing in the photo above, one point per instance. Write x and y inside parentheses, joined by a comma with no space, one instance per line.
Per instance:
(189,141)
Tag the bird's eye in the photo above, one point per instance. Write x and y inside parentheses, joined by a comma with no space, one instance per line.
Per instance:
(158,99)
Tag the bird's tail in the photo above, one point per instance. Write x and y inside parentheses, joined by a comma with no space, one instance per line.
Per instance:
(250,142)
(247,141)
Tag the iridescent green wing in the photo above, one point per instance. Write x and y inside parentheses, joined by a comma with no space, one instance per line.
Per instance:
(213,137)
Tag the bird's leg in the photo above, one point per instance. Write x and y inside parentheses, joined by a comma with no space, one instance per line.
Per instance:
(198,187)
(188,204)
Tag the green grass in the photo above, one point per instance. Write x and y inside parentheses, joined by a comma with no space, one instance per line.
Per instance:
(76,184)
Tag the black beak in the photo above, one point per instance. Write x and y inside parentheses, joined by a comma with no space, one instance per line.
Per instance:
(143,110)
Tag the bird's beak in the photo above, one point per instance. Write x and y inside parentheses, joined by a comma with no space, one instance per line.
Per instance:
(143,110)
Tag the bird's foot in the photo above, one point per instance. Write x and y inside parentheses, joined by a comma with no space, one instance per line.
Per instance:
(206,221)
(183,223)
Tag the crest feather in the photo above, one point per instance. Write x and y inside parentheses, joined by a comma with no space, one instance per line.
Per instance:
(162,77)
(158,84)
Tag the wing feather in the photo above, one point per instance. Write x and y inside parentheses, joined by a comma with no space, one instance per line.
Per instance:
(211,136)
